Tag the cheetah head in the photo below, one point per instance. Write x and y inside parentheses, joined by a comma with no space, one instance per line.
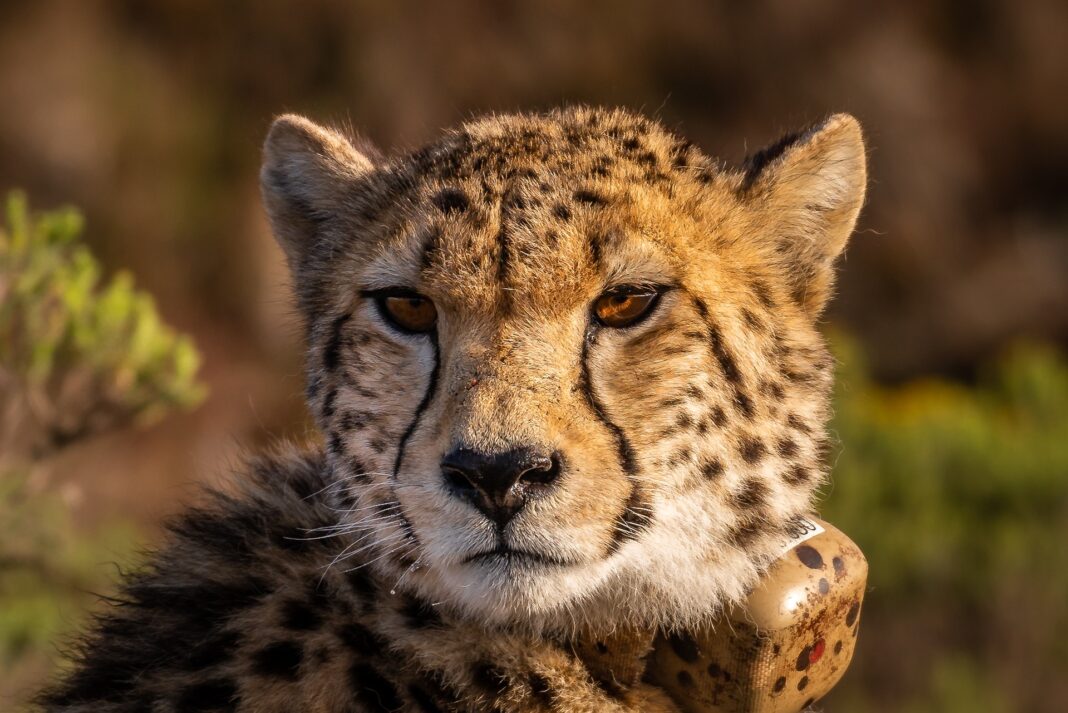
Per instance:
(566,366)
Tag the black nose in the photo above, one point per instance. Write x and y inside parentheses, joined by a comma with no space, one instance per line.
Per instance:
(499,484)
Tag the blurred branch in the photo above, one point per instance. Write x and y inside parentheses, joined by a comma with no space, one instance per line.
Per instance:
(78,356)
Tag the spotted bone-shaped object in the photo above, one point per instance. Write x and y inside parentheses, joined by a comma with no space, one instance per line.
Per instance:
(782,651)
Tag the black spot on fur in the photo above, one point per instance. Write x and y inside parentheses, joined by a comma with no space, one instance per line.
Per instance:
(743,403)
(218,694)
(424,700)
(763,293)
(596,244)
(354,420)
(787,447)
(589,197)
(327,409)
(746,533)
(298,616)
(797,475)
(753,494)
(361,640)
(684,678)
(489,678)
(361,583)
(712,468)
(680,456)
(373,690)
(541,690)
(421,615)
(281,659)
(334,444)
(752,449)
(451,200)
(719,416)
(795,422)
(773,390)
(680,151)
(648,158)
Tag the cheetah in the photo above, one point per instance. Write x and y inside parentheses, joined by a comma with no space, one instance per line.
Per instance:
(568,377)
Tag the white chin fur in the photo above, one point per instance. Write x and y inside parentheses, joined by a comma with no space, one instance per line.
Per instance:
(521,592)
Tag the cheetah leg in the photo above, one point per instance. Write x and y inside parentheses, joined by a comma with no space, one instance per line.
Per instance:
(481,672)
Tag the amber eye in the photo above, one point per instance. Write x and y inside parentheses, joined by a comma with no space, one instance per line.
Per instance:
(624,307)
(408,312)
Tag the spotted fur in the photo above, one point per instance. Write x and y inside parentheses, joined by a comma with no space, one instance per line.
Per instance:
(686,442)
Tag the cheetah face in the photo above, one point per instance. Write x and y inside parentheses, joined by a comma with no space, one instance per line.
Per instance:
(566,366)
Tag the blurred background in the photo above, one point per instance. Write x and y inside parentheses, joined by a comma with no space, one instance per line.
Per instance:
(142,354)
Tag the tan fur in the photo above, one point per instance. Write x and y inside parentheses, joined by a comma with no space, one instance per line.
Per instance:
(688,441)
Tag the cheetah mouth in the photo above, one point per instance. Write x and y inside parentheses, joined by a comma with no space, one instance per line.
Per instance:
(513,556)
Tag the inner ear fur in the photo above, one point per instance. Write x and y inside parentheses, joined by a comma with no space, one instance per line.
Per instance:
(809,187)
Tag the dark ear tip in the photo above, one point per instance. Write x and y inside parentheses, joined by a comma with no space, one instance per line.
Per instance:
(842,129)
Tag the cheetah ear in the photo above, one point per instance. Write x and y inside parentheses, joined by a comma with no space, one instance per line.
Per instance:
(309,175)
(810,186)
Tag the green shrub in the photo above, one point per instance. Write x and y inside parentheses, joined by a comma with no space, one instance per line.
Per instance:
(958,495)
(78,356)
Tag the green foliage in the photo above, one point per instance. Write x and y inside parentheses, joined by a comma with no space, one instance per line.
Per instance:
(48,566)
(77,356)
(958,495)
(83,356)
(950,488)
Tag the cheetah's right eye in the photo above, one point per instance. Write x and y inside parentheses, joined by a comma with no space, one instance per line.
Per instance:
(408,312)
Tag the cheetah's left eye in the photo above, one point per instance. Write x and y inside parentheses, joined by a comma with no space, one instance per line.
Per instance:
(625,307)
(410,312)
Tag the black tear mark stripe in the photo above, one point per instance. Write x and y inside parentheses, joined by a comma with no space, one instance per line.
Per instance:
(431,388)
(632,519)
